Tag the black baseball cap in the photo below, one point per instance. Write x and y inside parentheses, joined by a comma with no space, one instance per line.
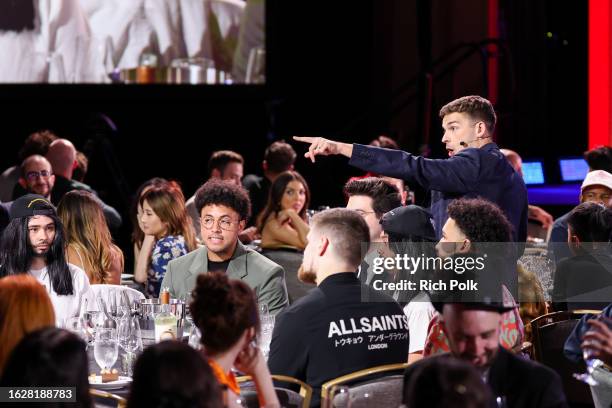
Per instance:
(409,221)
(30,205)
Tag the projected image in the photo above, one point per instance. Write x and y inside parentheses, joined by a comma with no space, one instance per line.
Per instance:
(133,41)
(533,172)
(573,169)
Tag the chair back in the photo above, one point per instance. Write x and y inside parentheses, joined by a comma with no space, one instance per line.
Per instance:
(379,386)
(290,261)
(549,333)
(107,397)
(288,398)
(104,290)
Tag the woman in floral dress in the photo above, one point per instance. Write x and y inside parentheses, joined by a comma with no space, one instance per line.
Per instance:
(168,235)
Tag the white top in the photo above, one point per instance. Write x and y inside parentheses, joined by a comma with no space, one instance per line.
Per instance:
(65,306)
(419,311)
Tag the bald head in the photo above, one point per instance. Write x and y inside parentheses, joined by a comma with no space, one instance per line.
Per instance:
(62,156)
(515,160)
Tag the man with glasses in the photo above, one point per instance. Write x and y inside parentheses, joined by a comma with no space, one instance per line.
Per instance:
(371,197)
(475,167)
(224,209)
(36,177)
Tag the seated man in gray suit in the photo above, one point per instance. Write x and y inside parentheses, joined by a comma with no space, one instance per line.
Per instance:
(224,209)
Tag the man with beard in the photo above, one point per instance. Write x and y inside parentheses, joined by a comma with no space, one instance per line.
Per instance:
(473,334)
(224,209)
(36,177)
(332,331)
(33,242)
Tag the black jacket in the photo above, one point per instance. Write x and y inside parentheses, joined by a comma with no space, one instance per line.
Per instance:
(523,383)
(331,332)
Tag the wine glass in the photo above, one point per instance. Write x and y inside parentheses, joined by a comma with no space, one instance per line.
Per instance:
(105,347)
(591,362)
(256,66)
(130,339)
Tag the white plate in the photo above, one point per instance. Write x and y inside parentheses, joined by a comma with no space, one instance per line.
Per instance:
(96,382)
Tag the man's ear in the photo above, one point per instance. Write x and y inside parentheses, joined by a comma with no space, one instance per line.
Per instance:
(215,173)
(264,165)
(22,183)
(481,129)
(466,245)
(241,226)
(323,245)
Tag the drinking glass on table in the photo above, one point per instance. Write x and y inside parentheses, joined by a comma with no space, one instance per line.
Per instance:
(106,347)
(130,340)
(591,362)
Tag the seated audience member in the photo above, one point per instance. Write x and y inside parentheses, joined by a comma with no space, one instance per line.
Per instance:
(50,357)
(36,144)
(90,245)
(168,235)
(24,307)
(225,311)
(34,243)
(332,331)
(599,158)
(80,171)
(63,158)
(37,176)
(172,374)
(473,330)
(371,197)
(279,157)
(136,211)
(447,383)
(473,222)
(584,281)
(596,188)
(531,299)
(410,232)
(283,222)
(576,341)
(535,212)
(227,166)
(224,209)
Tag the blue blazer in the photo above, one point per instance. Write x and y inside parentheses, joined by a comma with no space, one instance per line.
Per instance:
(474,172)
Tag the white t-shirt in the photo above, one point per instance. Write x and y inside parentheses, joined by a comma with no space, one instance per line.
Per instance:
(65,306)
(419,311)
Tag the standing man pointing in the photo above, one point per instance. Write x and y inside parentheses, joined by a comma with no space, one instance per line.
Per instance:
(475,167)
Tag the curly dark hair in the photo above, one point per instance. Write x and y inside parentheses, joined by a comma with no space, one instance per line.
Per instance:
(218,192)
(480,220)
(222,309)
(385,196)
(476,107)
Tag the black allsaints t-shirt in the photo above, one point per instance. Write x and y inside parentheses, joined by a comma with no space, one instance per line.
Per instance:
(220,267)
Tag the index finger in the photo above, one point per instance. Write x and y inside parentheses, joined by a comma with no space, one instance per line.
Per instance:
(598,324)
(305,139)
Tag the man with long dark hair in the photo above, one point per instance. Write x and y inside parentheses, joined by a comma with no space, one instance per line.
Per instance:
(33,242)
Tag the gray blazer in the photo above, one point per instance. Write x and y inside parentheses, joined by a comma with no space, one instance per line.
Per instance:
(265,277)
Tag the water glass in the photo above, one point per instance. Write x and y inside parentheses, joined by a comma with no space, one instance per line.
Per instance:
(130,340)
(256,66)
(106,347)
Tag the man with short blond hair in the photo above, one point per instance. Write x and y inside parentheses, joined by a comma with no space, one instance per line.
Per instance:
(341,326)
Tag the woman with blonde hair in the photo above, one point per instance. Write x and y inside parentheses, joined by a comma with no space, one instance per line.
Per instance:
(89,242)
(24,307)
(168,233)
